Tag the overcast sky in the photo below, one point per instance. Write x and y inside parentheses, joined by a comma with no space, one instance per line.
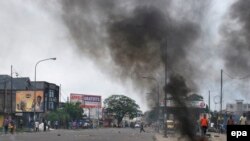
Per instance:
(29,32)
(32,30)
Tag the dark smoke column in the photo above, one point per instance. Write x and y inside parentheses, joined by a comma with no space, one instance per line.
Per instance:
(178,90)
(134,40)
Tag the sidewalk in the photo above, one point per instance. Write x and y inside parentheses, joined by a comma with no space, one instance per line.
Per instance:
(172,137)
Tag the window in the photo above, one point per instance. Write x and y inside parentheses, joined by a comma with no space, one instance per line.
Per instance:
(51,105)
(51,93)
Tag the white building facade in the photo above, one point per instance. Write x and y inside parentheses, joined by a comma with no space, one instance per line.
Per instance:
(238,108)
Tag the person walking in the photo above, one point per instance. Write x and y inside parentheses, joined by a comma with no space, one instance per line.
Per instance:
(243,119)
(49,124)
(142,128)
(56,124)
(204,125)
(21,124)
(6,125)
(37,126)
(44,124)
(230,120)
(11,126)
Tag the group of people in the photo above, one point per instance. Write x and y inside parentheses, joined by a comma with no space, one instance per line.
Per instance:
(8,125)
(242,120)
(36,124)
(204,122)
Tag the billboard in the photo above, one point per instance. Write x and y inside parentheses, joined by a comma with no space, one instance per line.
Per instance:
(74,98)
(26,101)
(87,101)
(92,101)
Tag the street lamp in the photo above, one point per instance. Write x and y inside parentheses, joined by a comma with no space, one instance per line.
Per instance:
(158,98)
(35,82)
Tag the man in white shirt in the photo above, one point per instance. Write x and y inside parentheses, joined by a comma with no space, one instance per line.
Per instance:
(37,126)
(243,120)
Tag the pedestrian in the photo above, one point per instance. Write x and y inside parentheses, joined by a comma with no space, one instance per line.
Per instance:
(141,128)
(230,120)
(243,119)
(204,125)
(44,124)
(36,126)
(56,124)
(6,125)
(11,126)
(49,124)
(21,124)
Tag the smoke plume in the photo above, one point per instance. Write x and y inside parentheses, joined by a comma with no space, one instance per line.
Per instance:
(236,35)
(130,37)
(178,89)
(139,36)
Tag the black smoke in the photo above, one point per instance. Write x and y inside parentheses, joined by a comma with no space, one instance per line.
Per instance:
(236,35)
(179,90)
(138,36)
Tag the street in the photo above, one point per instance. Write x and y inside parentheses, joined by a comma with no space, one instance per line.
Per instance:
(103,134)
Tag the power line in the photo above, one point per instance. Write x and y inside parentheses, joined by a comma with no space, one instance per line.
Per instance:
(230,76)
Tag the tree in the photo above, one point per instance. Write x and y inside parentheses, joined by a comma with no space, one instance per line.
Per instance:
(120,106)
(74,110)
(70,111)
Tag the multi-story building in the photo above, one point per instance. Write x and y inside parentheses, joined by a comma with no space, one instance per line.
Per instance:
(238,108)
(17,98)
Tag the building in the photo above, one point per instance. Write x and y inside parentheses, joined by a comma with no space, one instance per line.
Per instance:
(238,108)
(17,96)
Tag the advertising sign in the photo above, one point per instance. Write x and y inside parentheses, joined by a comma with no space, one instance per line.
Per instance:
(26,101)
(74,98)
(87,101)
(92,101)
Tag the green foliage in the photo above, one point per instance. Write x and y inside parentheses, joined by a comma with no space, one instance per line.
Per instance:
(53,116)
(120,106)
(74,110)
(70,111)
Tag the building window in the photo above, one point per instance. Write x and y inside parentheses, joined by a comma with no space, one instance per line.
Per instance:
(51,93)
(51,99)
(51,105)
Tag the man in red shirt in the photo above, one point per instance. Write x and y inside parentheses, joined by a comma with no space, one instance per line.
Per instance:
(204,124)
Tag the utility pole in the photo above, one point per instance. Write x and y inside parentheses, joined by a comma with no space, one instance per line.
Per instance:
(11,87)
(165,90)
(5,97)
(60,94)
(221,91)
(209,100)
